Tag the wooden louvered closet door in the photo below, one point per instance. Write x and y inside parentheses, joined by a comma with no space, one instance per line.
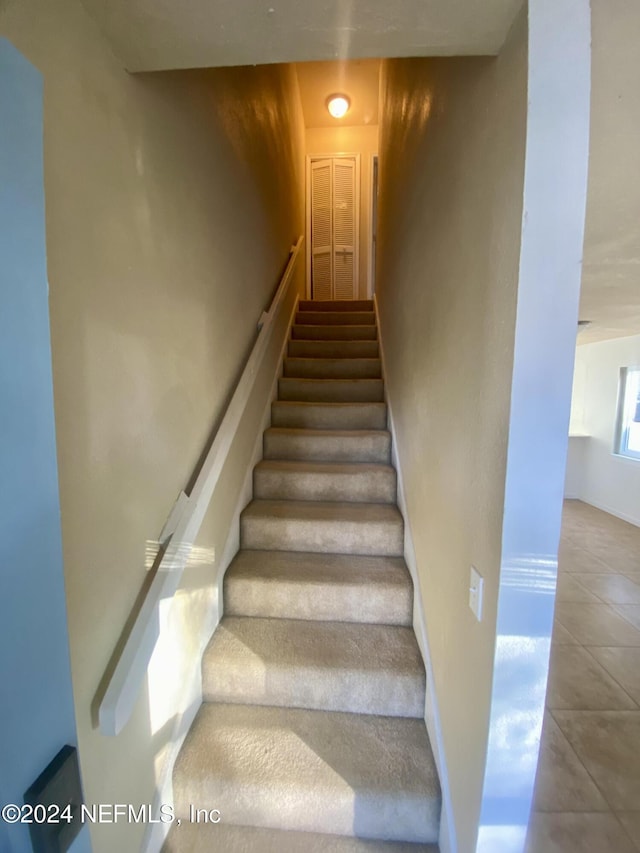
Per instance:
(321,227)
(333,228)
(344,228)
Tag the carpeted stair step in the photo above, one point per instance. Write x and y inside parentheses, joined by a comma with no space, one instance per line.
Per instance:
(324,666)
(333,368)
(315,771)
(334,333)
(331,390)
(333,349)
(335,318)
(322,587)
(298,480)
(335,528)
(325,445)
(192,837)
(340,305)
(342,416)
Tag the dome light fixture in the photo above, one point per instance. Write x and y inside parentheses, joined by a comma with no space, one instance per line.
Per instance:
(338,105)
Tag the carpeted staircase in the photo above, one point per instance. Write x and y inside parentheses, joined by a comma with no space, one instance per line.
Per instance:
(311,734)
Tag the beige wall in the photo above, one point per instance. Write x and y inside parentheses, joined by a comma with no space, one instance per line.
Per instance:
(171,201)
(452,170)
(363,140)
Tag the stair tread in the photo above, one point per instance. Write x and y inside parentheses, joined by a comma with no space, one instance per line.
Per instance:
(319,330)
(320,433)
(333,349)
(337,405)
(308,467)
(336,511)
(301,414)
(309,389)
(331,666)
(342,381)
(204,838)
(309,478)
(295,643)
(332,359)
(311,770)
(336,318)
(316,367)
(327,445)
(317,569)
(331,587)
(357,305)
(322,327)
(337,526)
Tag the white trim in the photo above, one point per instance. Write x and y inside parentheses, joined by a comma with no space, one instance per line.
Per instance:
(556,146)
(307,222)
(447,841)
(372,207)
(125,682)
(356,248)
(156,833)
(307,226)
(608,509)
(171,523)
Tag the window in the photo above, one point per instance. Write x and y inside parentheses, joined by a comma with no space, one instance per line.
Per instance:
(628,424)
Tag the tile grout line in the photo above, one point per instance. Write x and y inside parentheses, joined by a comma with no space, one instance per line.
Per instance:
(611,676)
(580,762)
(604,796)
(586,769)
(626,831)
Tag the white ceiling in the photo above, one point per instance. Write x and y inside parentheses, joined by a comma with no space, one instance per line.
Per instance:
(152,35)
(358,78)
(611,274)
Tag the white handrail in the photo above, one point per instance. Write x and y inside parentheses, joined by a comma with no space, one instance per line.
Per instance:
(180,533)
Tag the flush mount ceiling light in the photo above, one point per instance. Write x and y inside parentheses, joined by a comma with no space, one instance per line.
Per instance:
(338,105)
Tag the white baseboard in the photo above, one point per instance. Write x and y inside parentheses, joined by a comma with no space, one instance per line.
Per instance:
(635,520)
(156,833)
(447,841)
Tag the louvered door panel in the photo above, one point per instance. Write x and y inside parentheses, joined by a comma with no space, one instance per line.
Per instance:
(333,228)
(321,273)
(321,227)
(343,270)
(344,228)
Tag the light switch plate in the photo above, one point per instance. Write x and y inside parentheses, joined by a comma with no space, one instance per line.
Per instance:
(476,588)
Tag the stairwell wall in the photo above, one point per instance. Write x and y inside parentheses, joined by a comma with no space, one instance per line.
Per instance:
(172,200)
(452,152)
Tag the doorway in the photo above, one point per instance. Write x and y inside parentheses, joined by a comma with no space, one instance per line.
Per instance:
(333,225)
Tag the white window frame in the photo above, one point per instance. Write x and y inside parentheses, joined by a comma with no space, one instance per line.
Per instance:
(626,407)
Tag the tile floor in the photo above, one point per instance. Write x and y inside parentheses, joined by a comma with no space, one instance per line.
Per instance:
(587,797)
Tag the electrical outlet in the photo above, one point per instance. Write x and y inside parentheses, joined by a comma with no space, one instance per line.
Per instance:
(476,585)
